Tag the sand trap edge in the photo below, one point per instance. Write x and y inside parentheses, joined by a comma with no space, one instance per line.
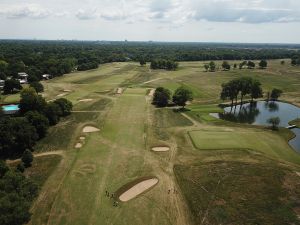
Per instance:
(129,185)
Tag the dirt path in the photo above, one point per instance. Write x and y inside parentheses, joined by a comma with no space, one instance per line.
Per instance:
(195,122)
(60,152)
(80,111)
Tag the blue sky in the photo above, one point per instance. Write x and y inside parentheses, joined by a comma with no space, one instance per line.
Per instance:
(267,21)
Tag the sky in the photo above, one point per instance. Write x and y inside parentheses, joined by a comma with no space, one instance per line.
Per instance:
(251,21)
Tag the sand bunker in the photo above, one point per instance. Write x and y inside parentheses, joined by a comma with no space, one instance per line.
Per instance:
(138,189)
(82,138)
(61,95)
(151,93)
(90,129)
(66,90)
(161,149)
(119,90)
(78,145)
(298,173)
(85,100)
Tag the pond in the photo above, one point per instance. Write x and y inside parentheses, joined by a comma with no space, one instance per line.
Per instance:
(10,109)
(259,112)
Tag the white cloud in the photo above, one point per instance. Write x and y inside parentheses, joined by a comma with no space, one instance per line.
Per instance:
(86,14)
(32,11)
(153,18)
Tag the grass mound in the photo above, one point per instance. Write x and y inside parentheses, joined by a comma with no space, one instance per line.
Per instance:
(226,192)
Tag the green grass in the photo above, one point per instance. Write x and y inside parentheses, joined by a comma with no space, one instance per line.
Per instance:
(230,192)
(295,122)
(267,142)
(8,99)
(107,161)
(240,155)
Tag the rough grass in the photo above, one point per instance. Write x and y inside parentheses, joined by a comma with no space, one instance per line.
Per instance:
(166,118)
(268,142)
(228,192)
(41,168)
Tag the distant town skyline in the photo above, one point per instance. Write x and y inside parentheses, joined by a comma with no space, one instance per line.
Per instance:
(248,21)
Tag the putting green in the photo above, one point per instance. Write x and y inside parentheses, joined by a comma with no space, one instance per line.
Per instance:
(267,142)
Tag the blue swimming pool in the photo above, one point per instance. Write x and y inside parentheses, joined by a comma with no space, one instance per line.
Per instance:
(10,109)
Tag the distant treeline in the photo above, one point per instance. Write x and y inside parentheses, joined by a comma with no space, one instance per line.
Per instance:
(60,57)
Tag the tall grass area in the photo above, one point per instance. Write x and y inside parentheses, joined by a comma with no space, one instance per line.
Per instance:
(230,192)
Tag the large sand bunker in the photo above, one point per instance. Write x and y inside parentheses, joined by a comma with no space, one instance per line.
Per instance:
(90,129)
(161,149)
(138,189)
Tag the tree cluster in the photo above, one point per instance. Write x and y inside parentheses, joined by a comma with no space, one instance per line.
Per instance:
(16,195)
(61,57)
(241,87)
(162,96)
(295,61)
(21,132)
(163,64)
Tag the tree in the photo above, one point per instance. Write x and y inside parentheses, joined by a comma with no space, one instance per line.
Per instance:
(39,121)
(206,67)
(263,64)
(161,97)
(274,121)
(38,87)
(10,85)
(275,94)
(295,61)
(182,95)
(282,62)
(255,90)
(242,64)
(226,65)
(245,86)
(3,168)
(235,66)
(27,158)
(21,167)
(17,194)
(53,113)
(212,66)
(142,61)
(65,106)
(16,135)
(230,91)
(251,65)
(31,101)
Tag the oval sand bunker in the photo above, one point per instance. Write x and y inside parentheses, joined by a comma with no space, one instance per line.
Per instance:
(161,149)
(90,129)
(138,189)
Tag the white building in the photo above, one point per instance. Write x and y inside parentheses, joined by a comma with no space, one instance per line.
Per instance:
(2,82)
(23,77)
(46,76)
